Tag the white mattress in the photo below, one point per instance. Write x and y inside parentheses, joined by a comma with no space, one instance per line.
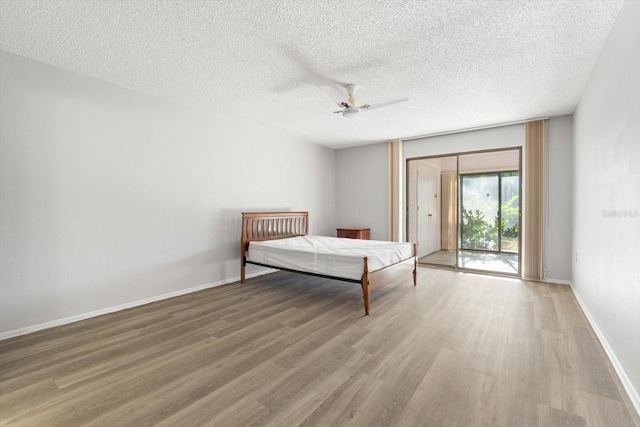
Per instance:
(329,256)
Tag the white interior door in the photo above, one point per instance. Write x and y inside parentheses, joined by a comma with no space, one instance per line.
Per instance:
(428,224)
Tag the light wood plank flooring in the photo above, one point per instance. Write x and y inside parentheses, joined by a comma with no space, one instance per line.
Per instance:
(285,350)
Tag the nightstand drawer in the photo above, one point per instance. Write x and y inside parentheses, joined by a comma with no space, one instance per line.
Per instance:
(354,233)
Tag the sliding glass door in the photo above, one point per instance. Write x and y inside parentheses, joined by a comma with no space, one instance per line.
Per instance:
(510,212)
(432,209)
(463,210)
(489,211)
(479,212)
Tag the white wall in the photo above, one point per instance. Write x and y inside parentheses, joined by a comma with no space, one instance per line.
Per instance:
(111,197)
(606,202)
(558,216)
(362,189)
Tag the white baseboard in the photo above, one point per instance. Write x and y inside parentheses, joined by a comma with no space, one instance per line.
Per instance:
(72,319)
(558,281)
(626,383)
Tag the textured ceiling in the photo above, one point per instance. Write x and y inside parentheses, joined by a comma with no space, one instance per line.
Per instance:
(463,63)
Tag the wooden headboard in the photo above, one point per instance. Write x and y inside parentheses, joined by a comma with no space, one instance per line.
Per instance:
(270,226)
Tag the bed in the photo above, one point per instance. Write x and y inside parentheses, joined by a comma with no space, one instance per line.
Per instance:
(281,240)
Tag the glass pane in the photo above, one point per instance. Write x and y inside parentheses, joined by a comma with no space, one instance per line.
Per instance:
(510,210)
(479,212)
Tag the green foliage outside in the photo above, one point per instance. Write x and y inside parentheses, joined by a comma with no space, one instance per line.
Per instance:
(481,233)
(477,232)
(510,215)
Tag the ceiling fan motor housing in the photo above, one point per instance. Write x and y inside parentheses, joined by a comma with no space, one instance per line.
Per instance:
(350,112)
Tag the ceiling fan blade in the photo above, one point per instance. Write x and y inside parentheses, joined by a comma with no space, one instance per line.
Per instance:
(335,96)
(383,103)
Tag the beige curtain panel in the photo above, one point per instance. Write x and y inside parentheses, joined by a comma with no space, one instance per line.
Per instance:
(395,191)
(533,206)
(449,222)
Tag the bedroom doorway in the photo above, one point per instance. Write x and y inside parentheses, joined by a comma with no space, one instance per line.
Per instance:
(428,214)
(471,219)
(432,209)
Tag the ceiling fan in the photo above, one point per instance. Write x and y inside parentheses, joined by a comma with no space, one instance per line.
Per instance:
(348,103)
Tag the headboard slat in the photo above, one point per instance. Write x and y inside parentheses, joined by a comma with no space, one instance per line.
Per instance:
(273,225)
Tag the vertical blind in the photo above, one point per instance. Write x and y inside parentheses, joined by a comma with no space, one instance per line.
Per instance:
(395,191)
(449,221)
(533,209)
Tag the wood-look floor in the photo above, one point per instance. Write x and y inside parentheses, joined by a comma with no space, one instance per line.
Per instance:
(285,349)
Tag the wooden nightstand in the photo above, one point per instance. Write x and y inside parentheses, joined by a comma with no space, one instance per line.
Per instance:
(354,233)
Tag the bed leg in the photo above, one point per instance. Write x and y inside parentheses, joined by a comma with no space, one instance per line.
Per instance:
(242,266)
(415,263)
(364,282)
(415,271)
(365,296)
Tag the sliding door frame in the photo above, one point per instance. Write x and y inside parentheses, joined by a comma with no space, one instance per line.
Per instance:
(457,155)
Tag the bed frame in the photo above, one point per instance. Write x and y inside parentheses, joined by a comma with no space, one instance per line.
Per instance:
(257,226)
